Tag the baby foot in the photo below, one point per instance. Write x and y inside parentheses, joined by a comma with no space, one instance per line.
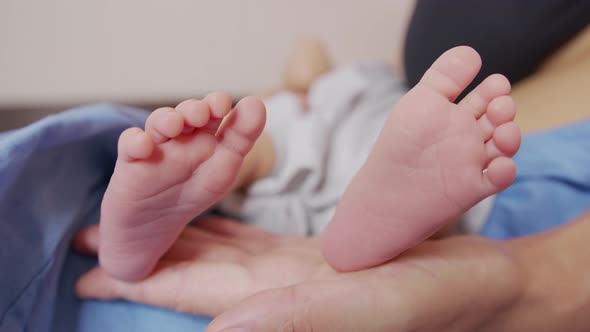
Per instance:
(166,175)
(433,160)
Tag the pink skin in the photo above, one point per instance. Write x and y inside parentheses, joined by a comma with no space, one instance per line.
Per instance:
(168,174)
(433,160)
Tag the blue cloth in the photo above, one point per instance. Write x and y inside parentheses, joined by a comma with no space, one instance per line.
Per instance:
(552,185)
(52,177)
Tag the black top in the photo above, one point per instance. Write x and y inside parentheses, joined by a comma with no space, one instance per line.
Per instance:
(513,37)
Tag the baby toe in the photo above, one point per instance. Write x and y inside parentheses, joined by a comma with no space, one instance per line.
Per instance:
(500,111)
(196,113)
(505,141)
(163,124)
(477,101)
(499,175)
(134,143)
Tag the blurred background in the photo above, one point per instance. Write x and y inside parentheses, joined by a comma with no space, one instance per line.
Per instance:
(61,53)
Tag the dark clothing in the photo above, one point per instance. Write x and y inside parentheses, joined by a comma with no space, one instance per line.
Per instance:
(513,37)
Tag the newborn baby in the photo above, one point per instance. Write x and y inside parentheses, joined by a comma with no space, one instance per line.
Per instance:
(432,161)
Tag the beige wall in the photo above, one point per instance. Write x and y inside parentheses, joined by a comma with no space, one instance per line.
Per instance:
(72,51)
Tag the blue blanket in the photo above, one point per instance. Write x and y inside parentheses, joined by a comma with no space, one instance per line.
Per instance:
(53,174)
(552,184)
(52,178)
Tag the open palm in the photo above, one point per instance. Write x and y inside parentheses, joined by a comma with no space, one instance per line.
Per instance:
(269,281)
(210,268)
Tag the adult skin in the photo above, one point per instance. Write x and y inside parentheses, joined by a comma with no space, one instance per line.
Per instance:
(263,282)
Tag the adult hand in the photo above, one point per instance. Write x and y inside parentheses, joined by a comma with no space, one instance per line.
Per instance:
(263,282)
(210,268)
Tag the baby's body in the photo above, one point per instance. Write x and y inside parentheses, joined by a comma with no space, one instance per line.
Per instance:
(425,169)
(319,145)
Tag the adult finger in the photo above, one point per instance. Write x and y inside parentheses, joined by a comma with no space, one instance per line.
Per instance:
(350,303)
(204,249)
(199,288)
(233,229)
(205,235)
(86,241)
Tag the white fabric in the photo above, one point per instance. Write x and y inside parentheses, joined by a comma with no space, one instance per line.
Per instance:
(473,221)
(319,150)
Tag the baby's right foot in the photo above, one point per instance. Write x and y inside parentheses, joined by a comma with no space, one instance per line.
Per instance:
(433,160)
(164,177)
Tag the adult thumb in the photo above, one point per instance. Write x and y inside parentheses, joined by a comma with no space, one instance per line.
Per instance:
(342,306)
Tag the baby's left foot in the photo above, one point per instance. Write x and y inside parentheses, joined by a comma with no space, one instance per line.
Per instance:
(433,160)
(181,165)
